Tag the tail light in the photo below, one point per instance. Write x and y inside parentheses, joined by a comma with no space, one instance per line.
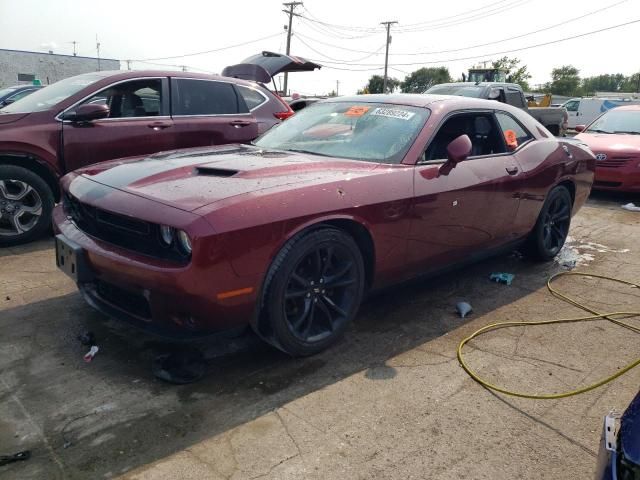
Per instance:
(286,113)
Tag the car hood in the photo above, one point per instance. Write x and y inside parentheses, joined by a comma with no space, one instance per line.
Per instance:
(6,118)
(263,66)
(620,144)
(191,179)
(630,431)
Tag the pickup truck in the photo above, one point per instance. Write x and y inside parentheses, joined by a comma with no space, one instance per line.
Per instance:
(555,119)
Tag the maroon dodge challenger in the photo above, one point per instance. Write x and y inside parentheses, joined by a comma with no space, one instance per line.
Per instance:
(287,234)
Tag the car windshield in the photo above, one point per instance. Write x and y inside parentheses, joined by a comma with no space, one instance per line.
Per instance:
(459,90)
(6,91)
(47,97)
(617,121)
(374,132)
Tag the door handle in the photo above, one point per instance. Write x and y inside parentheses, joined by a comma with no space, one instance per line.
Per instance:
(511,169)
(240,123)
(159,125)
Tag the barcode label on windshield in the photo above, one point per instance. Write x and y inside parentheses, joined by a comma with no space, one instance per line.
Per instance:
(392,113)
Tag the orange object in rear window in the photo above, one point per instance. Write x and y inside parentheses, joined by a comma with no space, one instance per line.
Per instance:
(511,139)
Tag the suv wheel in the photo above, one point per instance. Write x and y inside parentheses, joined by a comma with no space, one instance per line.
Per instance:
(26,202)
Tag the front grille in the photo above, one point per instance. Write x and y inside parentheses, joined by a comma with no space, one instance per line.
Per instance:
(132,303)
(126,232)
(614,162)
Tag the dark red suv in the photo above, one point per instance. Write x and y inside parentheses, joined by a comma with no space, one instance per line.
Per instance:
(105,115)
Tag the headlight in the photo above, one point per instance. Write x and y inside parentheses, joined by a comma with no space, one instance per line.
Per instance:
(166,234)
(184,242)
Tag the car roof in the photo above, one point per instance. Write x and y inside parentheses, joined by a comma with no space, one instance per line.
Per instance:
(421,100)
(480,84)
(634,106)
(132,74)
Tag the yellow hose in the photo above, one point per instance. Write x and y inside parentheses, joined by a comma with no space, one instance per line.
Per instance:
(612,317)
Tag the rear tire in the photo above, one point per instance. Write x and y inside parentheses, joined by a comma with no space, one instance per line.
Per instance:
(26,202)
(552,227)
(313,290)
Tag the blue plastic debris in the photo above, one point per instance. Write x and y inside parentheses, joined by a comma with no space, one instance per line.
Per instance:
(500,277)
(463,309)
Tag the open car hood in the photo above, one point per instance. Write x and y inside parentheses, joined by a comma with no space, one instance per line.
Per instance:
(263,66)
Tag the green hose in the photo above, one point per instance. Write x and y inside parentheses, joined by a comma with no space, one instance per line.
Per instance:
(612,317)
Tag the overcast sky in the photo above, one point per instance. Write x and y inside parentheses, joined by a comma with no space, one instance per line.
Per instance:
(130,29)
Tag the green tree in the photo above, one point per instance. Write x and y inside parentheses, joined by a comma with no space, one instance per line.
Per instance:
(631,84)
(565,80)
(376,82)
(603,83)
(515,73)
(423,78)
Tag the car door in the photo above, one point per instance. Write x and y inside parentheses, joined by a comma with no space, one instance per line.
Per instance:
(461,211)
(573,109)
(138,124)
(210,112)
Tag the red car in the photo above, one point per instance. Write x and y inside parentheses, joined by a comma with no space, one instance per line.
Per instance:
(105,115)
(614,137)
(289,233)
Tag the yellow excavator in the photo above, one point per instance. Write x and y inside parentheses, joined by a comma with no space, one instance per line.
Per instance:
(540,100)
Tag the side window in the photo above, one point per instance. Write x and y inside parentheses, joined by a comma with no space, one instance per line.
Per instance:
(572,106)
(507,122)
(480,127)
(137,98)
(514,97)
(205,97)
(252,98)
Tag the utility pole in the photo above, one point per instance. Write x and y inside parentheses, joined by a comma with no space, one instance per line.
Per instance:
(75,52)
(291,6)
(128,64)
(184,68)
(337,86)
(98,51)
(386,53)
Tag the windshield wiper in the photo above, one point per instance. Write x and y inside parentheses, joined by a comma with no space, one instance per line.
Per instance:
(627,132)
(299,150)
(598,131)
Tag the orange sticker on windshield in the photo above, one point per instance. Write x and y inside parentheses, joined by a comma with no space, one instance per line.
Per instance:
(356,111)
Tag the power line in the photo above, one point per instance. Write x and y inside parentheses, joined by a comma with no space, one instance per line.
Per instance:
(436,20)
(377,52)
(551,42)
(209,51)
(469,47)
(472,18)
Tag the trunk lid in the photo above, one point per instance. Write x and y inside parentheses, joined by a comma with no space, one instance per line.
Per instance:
(266,65)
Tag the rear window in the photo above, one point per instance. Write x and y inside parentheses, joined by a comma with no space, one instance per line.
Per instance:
(205,97)
(252,98)
(375,132)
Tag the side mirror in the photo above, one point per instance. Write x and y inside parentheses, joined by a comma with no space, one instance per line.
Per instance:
(459,149)
(87,113)
(494,94)
(580,128)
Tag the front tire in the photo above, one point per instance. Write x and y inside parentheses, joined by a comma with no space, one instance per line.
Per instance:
(314,289)
(552,227)
(26,202)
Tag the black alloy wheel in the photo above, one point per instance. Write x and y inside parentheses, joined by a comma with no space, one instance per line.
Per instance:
(551,230)
(315,291)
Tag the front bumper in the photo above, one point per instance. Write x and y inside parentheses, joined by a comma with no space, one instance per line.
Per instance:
(171,300)
(624,179)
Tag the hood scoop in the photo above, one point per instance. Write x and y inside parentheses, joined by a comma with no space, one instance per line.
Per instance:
(215,172)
